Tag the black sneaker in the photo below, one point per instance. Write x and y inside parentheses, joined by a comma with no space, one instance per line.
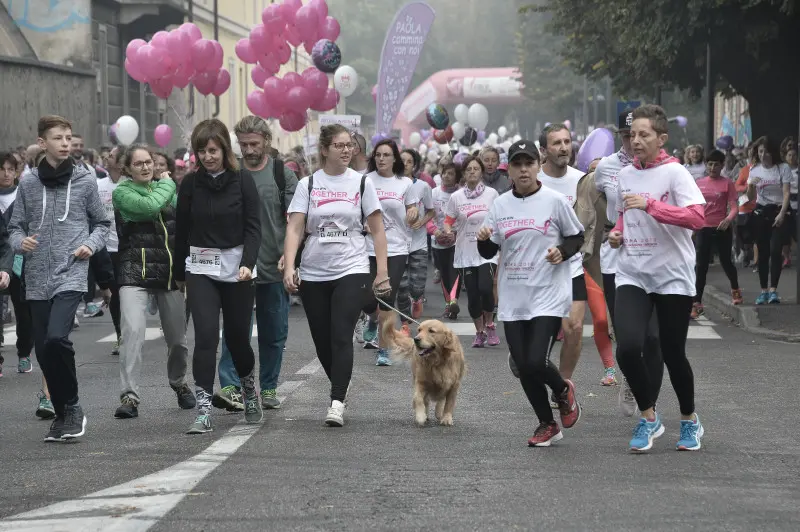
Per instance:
(186,399)
(128,409)
(74,423)
(56,430)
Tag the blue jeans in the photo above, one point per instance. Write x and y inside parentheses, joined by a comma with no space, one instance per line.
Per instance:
(272,318)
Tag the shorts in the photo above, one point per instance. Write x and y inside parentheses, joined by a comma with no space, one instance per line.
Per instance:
(579,292)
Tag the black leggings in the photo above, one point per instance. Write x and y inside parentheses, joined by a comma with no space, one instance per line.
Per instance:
(634,311)
(332,309)
(530,343)
(207,298)
(769,241)
(479,283)
(705,239)
(443,260)
(22,312)
(396,266)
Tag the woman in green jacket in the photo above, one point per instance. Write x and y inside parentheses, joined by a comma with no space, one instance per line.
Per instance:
(144,209)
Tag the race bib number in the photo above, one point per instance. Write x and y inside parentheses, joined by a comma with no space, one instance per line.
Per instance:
(205,261)
(331,233)
(17,267)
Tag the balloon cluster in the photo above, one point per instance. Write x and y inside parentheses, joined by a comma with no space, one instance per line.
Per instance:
(177,58)
(288,99)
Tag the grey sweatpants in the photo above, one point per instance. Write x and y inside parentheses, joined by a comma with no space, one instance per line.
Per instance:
(133,307)
(412,285)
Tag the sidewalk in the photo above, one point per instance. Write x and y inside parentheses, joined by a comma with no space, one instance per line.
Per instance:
(779,322)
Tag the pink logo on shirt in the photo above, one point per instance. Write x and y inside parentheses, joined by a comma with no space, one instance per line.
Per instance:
(512,227)
(389,195)
(665,197)
(470,209)
(323,197)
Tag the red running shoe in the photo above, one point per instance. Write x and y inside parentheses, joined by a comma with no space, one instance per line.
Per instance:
(545,435)
(568,406)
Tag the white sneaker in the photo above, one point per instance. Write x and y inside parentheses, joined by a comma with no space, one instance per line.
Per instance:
(361,325)
(626,400)
(335,417)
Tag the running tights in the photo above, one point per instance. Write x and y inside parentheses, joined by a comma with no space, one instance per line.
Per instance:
(769,241)
(332,309)
(479,283)
(704,242)
(597,306)
(634,309)
(530,343)
(443,260)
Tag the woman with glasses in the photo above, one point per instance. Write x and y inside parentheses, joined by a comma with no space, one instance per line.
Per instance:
(327,215)
(144,206)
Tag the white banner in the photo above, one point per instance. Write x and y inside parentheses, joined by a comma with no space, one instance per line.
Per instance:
(475,88)
(351,122)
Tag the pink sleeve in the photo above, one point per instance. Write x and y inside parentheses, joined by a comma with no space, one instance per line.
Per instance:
(689,217)
(733,201)
(431,227)
(619,225)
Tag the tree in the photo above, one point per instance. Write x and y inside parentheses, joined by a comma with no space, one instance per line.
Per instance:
(755,49)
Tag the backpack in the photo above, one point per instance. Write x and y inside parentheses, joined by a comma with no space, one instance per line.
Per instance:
(280,180)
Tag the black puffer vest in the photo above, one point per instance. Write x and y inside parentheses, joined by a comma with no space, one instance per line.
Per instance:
(146,250)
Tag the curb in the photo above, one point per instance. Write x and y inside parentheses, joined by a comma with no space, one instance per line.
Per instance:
(745,317)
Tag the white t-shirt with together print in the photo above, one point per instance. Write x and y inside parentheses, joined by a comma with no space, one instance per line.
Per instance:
(525,228)
(395,195)
(440,200)
(769,183)
(605,179)
(656,257)
(422,191)
(568,186)
(469,215)
(335,246)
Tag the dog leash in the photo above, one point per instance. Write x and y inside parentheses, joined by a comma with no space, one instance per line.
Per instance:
(394,309)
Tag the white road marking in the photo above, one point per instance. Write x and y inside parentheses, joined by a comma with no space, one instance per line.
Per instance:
(698,332)
(137,505)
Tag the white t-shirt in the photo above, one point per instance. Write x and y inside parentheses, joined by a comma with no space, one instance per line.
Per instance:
(605,179)
(440,200)
(656,257)
(568,186)
(335,246)
(105,187)
(698,171)
(769,190)
(438,180)
(422,192)
(525,228)
(394,194)
(6,200)
(793,190)
(469,215)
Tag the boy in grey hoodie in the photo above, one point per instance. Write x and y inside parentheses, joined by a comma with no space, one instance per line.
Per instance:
(58,223)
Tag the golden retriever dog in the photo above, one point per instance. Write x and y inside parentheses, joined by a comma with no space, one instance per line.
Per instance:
(437,366)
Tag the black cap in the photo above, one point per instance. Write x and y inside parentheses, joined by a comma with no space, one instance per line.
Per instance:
(625,120)
(523,147)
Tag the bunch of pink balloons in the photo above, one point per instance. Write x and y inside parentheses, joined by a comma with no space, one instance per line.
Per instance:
(284,25)
(177,58)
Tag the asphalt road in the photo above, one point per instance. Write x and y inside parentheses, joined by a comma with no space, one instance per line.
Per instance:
(381,472)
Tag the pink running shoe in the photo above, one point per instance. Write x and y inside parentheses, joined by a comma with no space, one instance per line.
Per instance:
(491,335)
(480,340)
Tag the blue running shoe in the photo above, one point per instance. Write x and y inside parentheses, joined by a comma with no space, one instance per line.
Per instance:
(645,433)
(762,299)
(774,298)
(382,358)
(691,432)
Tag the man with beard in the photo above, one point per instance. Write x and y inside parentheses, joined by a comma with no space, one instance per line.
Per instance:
(276,185)
(76,150)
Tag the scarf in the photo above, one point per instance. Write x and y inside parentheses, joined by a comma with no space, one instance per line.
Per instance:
(662,159)
(624,158)
(54,177)
(472,194)
(450,189)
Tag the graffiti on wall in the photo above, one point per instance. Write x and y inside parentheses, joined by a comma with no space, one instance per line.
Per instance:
(53,31)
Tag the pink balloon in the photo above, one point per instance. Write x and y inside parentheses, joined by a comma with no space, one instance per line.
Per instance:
(289,10)
(245,52)
(282,53)
(322,8)
(309,46)
(274,89)
(293,79)
(269,64)
(202,54)
(273,19)
(260,39)
(160,40)
(298,99)
(192,31)
(183,75)
(162,88)
(133,48)
(204,82)
(292,121)
(316,82)
(292,35)
(179,46)
(307,21)
(135,71)
(330,29)
(257,104)
(327,102)
(258,75)
(223,82)
(163,135)
(218,58)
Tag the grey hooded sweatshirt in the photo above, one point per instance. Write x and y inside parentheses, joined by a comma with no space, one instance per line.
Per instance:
(65,215)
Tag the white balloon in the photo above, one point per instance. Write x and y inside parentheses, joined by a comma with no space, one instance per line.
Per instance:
(492,140)
(462,114)
(237,150)
(127,130)
(345,80)
(414,139)
(423,149)
(459,129)
(502,131)
(478,116)
(516,138)
(433,156)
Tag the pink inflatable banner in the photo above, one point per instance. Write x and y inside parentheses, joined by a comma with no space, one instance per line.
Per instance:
(399,57)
